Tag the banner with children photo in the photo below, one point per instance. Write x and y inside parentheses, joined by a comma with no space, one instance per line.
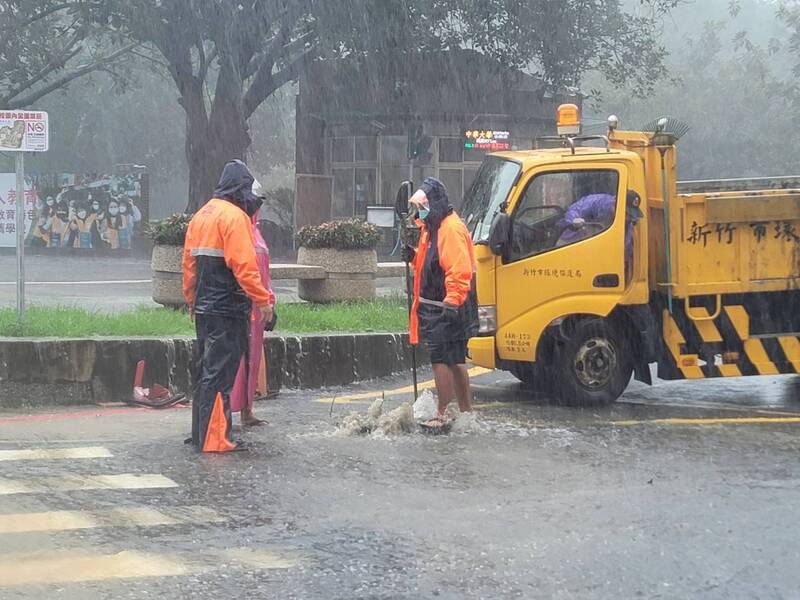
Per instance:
(90,212)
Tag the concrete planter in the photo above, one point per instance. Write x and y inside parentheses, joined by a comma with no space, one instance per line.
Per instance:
(168,275)
(350,274)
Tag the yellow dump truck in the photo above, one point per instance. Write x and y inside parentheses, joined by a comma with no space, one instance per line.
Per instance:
(592,267)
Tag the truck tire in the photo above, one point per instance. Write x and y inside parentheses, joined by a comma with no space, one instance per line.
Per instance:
(534,377)
(593,365)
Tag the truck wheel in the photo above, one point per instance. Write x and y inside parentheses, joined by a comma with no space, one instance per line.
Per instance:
(534,377)
(593,365)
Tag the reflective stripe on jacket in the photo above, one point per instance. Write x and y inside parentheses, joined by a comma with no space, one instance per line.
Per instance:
(220,271)
(444,268)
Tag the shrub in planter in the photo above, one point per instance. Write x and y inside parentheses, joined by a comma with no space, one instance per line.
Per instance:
(350,234)
(170,231)
(168,237)
(346,250)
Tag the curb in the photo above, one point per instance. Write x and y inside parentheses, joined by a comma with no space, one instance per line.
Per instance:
(65,371)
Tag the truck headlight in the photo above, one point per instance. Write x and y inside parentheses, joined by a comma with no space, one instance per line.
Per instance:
(487,319)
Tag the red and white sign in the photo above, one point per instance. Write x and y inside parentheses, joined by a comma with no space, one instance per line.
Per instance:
(24,131)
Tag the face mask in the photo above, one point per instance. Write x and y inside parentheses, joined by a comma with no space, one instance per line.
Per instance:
(50,203)
(81,214)
(113,211)
(123,210)
(96,207)
(423,213)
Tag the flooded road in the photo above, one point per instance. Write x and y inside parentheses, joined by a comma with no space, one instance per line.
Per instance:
(681,490)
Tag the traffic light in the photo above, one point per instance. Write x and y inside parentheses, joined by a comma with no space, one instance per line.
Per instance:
(419,145)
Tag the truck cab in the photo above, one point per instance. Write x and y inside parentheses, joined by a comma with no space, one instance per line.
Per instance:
(588,268)
(537,271)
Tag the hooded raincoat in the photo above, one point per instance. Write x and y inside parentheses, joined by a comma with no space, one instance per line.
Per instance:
(221,280)
(444,273)
(251,377)
(221,274)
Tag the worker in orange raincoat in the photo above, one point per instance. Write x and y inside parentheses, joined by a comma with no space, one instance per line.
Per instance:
(221,282)
(445,310)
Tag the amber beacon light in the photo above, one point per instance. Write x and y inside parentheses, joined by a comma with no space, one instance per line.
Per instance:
(568,119)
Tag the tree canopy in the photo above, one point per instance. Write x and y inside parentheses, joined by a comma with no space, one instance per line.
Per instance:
(46,44)
(226,58)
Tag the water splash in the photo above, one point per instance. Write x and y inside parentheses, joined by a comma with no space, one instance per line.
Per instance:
(378,424)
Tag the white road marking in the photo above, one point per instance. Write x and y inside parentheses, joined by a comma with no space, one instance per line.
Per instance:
(126,516)
(54,453)
(67,483)
(73,566)
(93,282)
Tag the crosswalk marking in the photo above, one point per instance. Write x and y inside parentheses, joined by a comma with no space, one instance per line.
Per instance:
(47,566)
(54,453)
(68,483)
(73,567)
(126,516)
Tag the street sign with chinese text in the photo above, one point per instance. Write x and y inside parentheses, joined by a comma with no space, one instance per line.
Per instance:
(24,131)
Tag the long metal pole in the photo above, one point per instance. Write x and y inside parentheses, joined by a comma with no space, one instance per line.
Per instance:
(667,248)
(20,225)
(410,291)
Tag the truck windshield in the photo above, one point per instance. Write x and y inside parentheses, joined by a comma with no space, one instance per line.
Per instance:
(489,190)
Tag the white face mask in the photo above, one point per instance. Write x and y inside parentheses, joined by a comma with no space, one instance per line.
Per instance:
(95,207)
(81,214)
(123,210)
(113,211)
(50,203)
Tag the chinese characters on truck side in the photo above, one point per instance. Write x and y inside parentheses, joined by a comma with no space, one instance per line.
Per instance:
(518,343)
(723,232)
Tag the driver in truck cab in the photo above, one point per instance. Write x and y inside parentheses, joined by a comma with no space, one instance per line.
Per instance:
(600,209)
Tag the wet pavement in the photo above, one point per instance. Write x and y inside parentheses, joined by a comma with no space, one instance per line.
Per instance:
(683,490)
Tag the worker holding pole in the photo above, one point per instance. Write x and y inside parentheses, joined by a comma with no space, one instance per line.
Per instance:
(444,313)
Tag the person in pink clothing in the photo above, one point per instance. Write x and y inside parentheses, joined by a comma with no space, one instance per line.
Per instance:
(246,383)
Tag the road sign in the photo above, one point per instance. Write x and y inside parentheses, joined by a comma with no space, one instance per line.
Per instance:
(24,131)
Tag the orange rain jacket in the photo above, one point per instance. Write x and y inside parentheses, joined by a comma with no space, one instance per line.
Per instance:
(220,271)
(444,272)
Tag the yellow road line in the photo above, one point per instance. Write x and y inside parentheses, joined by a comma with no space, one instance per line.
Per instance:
(74,566)
(125,481)
(364,396)
(127,516)
(54,453)
(711,421)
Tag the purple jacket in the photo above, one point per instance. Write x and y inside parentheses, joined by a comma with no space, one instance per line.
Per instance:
(594,208)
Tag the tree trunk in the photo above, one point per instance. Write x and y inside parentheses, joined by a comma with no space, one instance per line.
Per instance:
(212,140)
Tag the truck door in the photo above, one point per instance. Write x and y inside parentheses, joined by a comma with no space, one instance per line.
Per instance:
(566,253)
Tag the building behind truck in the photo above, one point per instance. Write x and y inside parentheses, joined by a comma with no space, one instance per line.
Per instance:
(711,289)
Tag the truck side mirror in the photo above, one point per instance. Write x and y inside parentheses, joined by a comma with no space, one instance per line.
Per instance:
(500,234)
(401,202)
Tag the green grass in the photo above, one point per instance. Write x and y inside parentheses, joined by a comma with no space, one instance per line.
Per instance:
(385,314)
